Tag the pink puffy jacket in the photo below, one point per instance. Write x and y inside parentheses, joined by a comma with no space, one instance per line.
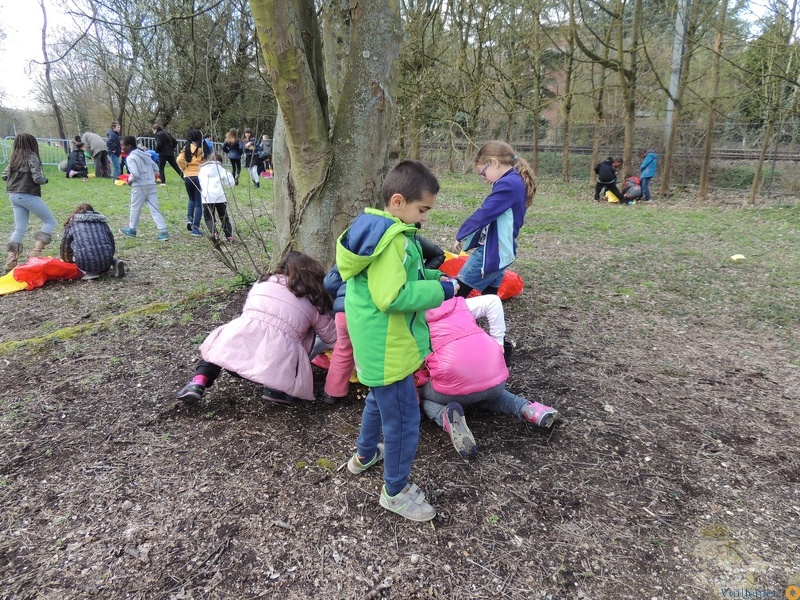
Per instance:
(464,358)
(269,343)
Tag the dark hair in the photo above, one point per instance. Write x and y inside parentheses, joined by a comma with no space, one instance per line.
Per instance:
(194,136)
(157,127)
(128,140)
(504,154)
(24,144)
(304,277)
(114,124)
(410,179)
(217,157)
(80,209)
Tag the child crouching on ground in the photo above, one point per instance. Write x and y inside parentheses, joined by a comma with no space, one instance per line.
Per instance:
(270,342)
(388,290)
(467,367)
(89,243)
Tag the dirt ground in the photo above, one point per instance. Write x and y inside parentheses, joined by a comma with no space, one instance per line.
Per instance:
(675,471)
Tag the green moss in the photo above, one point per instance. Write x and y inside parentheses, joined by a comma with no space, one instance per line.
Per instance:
(324,463)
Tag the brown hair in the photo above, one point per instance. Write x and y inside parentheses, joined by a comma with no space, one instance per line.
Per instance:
(24,144)
(410,179)
(232,136)
(505,155)
(304,277)
(80,209)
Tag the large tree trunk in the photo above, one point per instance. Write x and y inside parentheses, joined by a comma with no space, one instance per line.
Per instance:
(328,168)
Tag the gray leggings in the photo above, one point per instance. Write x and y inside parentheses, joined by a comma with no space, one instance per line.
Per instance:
(496,399)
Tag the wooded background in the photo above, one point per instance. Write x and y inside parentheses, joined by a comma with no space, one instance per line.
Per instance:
(708,84)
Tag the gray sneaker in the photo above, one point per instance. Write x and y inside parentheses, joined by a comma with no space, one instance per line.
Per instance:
(410,503)
(456,425)
(356,468)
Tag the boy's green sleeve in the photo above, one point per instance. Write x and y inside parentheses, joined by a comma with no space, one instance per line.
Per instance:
(390,289)
(434,274)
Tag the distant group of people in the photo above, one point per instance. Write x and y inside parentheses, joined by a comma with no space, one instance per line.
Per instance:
(257,155)
(87,240)
(385,310)
(635,188)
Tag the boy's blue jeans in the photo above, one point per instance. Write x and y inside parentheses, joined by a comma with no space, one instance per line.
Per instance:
(395,409)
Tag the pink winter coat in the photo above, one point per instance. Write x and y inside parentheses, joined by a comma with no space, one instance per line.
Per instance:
(464,358)
(270,342)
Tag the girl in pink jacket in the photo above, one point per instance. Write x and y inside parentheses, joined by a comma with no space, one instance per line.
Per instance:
(269,343)
(467,367)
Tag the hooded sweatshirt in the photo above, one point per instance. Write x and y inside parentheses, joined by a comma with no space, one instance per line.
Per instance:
(388,292)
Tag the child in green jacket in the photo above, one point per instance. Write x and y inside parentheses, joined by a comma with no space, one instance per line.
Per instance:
(388,291)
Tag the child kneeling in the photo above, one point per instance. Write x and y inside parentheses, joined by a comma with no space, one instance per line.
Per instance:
(270,342)
(467,367)
(89,243)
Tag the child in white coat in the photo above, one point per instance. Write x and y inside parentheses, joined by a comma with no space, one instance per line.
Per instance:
(213,181)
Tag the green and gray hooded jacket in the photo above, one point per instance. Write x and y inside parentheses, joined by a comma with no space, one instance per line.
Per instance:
(388,292)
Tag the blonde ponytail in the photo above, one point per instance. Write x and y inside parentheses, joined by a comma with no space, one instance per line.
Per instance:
(505,155)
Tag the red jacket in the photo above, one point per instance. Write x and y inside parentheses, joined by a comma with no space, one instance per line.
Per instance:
(464,358)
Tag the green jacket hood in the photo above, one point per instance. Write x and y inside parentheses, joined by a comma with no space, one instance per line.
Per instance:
(368,236)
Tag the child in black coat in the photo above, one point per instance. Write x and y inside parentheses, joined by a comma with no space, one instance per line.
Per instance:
(89,243)
(76,162)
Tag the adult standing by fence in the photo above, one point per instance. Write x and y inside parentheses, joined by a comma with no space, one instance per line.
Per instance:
(165,146)
(114,149)
(96,146)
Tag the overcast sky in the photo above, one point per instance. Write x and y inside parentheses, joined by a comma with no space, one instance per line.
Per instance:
(22,24)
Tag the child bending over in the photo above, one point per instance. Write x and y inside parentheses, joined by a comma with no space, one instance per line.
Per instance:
(467,367)
(89,243)
(388,292)
(270,342)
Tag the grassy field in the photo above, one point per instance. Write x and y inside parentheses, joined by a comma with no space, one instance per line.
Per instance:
(668,257)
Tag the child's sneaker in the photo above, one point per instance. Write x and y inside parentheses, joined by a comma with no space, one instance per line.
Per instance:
(163,235)
(410,503)
(356,467)
(118,268)
(230,239)
(277,397)
(196,233)
(192,392)
(456,425)
(539,414)
(328,399)
(90,276)
(128,231)
(189,226)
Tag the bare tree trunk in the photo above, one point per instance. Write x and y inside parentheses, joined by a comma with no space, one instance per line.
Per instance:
(783,66)
(685,71)
(51,97)
(705,165)
(328,170)
(566,106)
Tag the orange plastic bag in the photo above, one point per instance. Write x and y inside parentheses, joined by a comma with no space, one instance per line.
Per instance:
(512,284)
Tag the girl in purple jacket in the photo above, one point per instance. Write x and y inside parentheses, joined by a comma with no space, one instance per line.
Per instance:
(467,367)
(270,342)
(492,229)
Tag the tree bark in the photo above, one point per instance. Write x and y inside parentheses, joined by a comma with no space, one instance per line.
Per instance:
(330,153)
